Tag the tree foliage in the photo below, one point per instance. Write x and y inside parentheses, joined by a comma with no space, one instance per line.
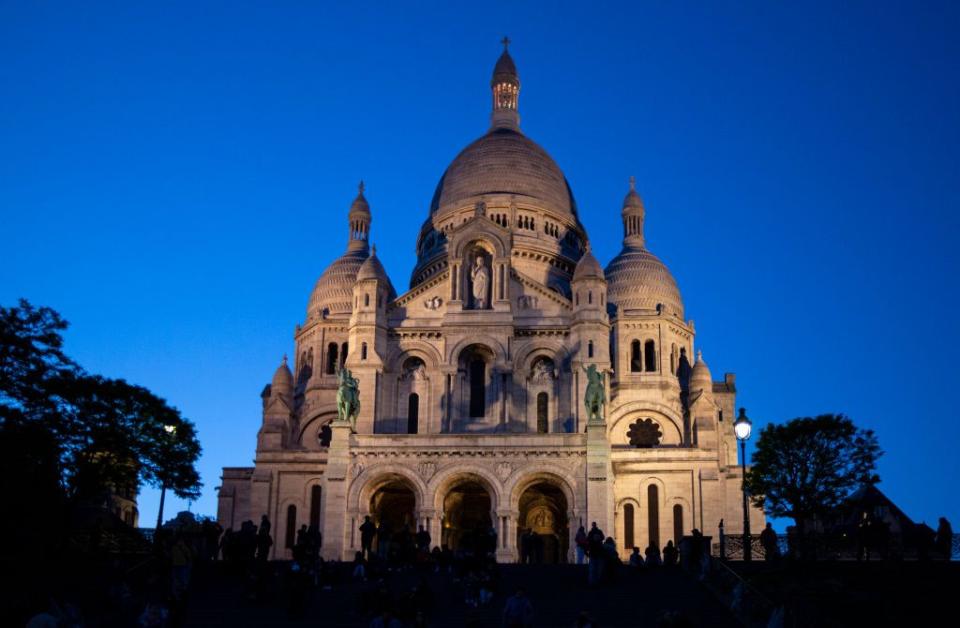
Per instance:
(88,432)
(805,467)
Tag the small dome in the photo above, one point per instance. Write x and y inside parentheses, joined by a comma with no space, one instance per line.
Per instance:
(360,203)
(505,69)
(632,200)
(588,268)
(700,378)
(504,161)
(333,291)
(282,379)
(637,279)
(373,269)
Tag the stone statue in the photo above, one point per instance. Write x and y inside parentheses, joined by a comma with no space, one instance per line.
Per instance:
(348,397)
(593,399)
(481,278)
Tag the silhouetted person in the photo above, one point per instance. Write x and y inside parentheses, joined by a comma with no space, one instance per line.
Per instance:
(423,540)
(526,547)
(768,540)
(265,524)
(518,611)
(264,542)
(581,542)
(367,531)
(944,541)
(595,552)
(670,555)
(636,560)
(653,556)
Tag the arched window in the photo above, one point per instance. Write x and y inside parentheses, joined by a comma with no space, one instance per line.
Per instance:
(578,298)
(653,514)
(650,356)
(673,359)
(316,492)
(628,526)
(324,435)
(636,358)
(543,426)
(589,348)
(291,533)
(478,387)
(363,351)
(589,297)
(413,413)
(366,300)
(343,354)
(677,523)
(332,358)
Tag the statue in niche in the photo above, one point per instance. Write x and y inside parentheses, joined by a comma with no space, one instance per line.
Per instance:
(415,370)
(542,371)
(480,277)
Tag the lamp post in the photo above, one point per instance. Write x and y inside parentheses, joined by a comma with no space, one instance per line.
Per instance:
(170,430)
(742,428)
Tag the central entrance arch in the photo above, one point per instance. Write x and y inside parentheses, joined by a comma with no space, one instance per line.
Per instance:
(392,508)
(543,531)
(466,519)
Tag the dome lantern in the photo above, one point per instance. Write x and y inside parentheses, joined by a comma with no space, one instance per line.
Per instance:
(505,87)
(359,220)
(633,215)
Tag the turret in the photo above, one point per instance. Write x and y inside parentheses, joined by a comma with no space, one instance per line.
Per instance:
(702,408)
(589,289)
(277,409)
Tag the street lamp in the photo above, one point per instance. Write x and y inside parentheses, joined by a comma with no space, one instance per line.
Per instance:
(742,428)
(170,430)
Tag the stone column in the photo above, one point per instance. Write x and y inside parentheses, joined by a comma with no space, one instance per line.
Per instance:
(598,476)
(507,550)
(335,487)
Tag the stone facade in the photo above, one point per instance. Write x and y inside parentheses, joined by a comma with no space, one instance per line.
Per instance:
(472,382)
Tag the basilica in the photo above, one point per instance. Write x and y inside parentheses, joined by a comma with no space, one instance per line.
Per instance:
(473,383)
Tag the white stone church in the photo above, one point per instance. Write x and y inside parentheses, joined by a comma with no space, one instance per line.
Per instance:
(472,384)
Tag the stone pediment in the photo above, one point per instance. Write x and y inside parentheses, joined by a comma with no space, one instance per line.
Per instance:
(422,291)
(540,290)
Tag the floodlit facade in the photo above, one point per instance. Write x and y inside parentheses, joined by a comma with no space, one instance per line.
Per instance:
(472,382)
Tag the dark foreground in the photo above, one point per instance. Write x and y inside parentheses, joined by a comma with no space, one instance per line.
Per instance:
(558,595)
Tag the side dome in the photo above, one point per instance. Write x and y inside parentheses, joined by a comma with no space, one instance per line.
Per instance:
(588,268)
(373,269)
(504,161)
(637,279)
(333,292)
(282,379)
(700,378)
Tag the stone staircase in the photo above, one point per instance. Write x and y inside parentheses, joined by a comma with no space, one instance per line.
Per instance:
(558,594)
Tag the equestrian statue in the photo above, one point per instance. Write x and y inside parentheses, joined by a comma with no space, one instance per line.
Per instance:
(595,396)
(348,397)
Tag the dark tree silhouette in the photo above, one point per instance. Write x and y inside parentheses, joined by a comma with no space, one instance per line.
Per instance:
(78,434)
(805,467)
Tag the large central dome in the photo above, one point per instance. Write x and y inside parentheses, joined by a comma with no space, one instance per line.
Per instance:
(504,161)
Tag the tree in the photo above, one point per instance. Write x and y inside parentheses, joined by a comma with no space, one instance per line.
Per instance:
(91,433)
(804,468)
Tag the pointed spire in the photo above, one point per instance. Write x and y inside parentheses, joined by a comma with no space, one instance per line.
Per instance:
(505,86)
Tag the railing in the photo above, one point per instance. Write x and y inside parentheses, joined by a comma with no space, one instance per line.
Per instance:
(823,547)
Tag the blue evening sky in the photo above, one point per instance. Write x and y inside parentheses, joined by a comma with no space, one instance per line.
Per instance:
(174,176)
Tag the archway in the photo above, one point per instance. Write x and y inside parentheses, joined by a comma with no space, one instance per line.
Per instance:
(543,534)
(392,510)
(466,519)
